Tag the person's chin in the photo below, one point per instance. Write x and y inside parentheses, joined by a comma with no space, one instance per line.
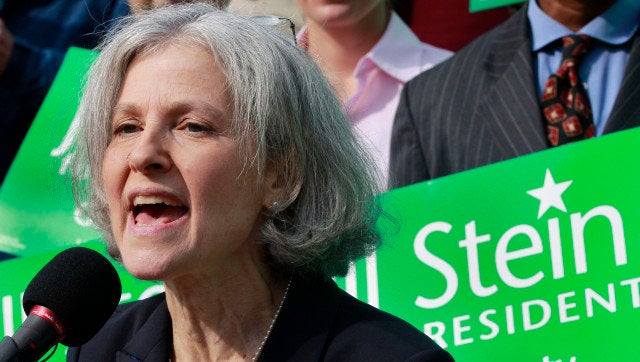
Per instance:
(146,271)
(146,263)
(333,14)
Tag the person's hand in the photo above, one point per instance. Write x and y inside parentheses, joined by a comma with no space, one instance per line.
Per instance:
(6,46)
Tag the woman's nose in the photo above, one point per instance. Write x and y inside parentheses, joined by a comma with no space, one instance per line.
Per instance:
(150,154)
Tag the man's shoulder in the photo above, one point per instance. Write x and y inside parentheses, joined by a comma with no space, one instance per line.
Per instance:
(474,56)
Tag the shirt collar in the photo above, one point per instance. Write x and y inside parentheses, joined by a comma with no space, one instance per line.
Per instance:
(398,53)
(615,26)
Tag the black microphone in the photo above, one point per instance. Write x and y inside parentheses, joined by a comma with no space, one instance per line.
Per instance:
(68,301)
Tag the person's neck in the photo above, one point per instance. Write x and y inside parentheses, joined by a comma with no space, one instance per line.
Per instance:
(339,48)
(222,319)
(574,14)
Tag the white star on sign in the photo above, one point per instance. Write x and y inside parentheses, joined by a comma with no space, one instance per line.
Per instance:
(550,194)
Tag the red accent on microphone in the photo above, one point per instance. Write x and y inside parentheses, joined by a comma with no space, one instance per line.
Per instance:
(51,318)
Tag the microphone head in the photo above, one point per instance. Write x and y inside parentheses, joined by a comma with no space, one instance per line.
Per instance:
(81,288)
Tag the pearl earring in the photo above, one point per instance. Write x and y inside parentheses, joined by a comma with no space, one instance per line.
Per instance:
(275,206)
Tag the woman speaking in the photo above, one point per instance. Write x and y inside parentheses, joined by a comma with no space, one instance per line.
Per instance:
(214,157)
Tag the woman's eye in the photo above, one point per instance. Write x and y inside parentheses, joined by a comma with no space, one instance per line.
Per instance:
(196,128)
(126,129)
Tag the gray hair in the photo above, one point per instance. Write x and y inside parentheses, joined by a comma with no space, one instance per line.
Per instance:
(137,8)
(285,115)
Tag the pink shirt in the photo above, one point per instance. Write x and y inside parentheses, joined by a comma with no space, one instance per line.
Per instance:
(397,57)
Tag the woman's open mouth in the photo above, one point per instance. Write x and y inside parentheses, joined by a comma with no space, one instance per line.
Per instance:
(156,210)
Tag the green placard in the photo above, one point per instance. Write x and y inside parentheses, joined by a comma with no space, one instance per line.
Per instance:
(533,259)
(479,5)
(37,209)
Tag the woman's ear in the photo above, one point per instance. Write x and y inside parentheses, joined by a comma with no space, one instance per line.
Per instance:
(274,193)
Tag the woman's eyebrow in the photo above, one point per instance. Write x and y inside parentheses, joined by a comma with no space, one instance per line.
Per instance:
(174,108)
(184,107)
(125,108)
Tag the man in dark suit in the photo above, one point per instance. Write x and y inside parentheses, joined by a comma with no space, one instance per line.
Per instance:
(483,105)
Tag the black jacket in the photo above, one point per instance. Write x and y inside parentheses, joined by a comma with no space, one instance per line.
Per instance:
(318,322)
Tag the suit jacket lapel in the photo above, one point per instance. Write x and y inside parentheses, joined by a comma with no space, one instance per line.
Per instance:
(510,107)
(302,330)
(626,110)
(152,342)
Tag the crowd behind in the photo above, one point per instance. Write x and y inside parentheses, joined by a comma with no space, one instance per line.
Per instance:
(34,38)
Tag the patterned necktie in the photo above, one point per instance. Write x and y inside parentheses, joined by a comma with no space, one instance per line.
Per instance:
(565,102)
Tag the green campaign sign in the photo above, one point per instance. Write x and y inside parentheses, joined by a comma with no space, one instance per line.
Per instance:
(479,5)
(37,209)
(532,259)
